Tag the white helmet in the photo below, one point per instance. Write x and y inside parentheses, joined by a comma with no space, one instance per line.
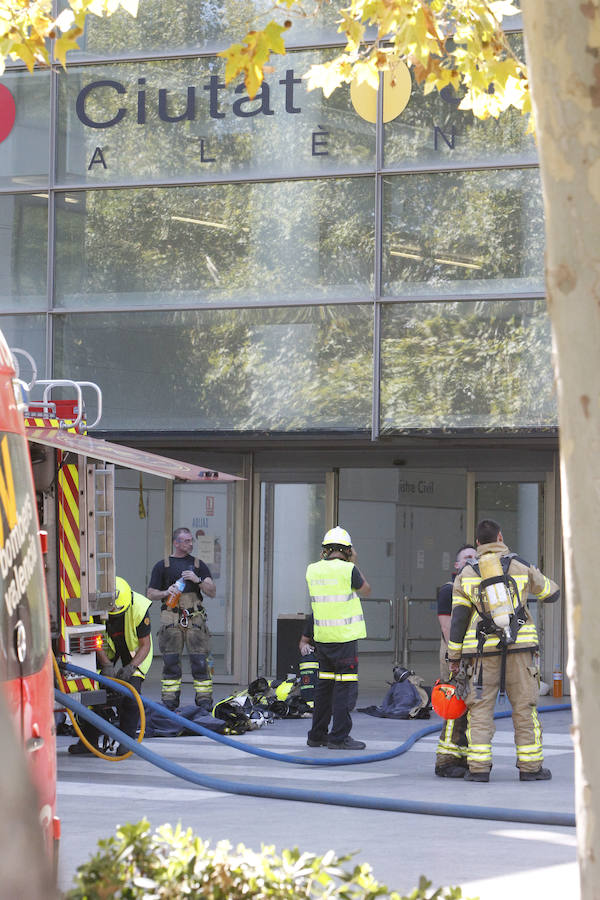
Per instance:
(337,536)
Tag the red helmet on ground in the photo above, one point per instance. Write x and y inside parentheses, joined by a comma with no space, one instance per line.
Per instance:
(446,702)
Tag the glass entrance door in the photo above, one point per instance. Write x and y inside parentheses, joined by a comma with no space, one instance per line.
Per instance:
(518,508)
(292,524)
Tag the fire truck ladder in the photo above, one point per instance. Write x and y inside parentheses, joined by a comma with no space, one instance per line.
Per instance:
(97,527)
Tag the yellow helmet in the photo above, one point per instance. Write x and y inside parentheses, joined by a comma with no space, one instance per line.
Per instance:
(124,597)
(338,536)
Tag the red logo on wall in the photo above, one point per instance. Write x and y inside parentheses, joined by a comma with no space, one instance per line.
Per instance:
(7,112)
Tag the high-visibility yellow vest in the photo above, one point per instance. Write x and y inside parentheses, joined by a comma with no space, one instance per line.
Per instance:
(139,609)
(336,607)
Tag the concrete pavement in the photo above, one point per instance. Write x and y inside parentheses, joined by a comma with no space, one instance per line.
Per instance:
(486,858)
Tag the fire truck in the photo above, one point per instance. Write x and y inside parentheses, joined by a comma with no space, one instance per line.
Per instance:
(57,550)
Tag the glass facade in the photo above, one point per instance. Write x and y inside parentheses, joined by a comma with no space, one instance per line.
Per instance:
(282,264)
(291,290)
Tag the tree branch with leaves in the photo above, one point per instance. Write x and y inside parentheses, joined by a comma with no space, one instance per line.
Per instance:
(30,32)
(446,42)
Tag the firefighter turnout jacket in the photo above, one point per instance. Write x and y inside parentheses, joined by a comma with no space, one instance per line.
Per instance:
(472,630)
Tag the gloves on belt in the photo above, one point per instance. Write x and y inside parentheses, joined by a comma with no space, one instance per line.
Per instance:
(461,680)
(126,672)
(108,671)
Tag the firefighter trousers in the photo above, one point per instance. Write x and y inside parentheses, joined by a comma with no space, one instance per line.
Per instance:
(452,745)
(336,691)
(522,688)
(176,632)
(129,714)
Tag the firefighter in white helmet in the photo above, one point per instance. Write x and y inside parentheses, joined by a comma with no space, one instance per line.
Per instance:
(336,625)
(493,633)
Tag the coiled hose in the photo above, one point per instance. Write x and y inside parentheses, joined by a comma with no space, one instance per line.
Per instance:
(125,688)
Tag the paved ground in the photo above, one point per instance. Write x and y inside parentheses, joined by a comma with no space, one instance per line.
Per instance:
(489,859)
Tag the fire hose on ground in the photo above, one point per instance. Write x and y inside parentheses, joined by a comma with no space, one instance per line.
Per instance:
(536,817)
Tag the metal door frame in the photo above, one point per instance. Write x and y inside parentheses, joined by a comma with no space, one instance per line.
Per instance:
(272,476)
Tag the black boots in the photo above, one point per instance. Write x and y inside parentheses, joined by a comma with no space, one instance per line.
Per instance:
(541,775)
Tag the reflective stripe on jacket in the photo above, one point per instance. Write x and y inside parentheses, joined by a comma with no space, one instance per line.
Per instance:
(467,608)
(134,615)
(336,607)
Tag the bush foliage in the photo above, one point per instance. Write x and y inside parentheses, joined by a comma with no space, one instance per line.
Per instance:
(174,863)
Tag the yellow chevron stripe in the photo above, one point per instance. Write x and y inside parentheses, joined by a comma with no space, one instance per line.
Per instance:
(68,536)
(70,499)
(78,684)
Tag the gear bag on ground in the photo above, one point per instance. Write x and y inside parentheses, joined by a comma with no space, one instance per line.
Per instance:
(407,698)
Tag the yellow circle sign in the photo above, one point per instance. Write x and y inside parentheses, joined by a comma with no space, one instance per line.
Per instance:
(395,95)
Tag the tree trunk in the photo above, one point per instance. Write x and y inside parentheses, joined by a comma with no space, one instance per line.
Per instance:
(562,41)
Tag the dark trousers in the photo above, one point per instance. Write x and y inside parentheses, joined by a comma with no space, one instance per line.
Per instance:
(129,714)
(336,691)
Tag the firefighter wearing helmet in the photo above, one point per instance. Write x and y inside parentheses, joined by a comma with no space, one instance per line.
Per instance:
(334,628)
(451,753)
(493,633)
(128,656)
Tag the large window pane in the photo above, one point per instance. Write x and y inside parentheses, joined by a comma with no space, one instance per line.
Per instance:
(466,365)
(23,250)
(176,119)
(215,243)
(431,129)
(200,25)
(27,333)
(24,152)
(241,370)
(463,232)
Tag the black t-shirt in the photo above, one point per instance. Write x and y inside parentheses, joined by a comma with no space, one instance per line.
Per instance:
(309,623)
(444,599)
(163,576)
(115,627)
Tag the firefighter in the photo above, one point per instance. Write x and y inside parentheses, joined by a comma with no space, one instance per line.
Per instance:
(185,622)
(493,635)
(451,754)
(128,656)
(336,624)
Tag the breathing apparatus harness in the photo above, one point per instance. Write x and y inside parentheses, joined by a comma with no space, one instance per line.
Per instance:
(501,612)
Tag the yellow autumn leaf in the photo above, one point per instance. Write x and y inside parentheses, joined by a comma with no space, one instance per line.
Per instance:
(62,45)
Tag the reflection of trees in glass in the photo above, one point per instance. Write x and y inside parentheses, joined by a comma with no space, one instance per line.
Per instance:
(454,365)
(466,228)
(24,153)
(28,333)
(23,246)
(216,242)
(179,24)
(217,140)
(268,369)
(412,136)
